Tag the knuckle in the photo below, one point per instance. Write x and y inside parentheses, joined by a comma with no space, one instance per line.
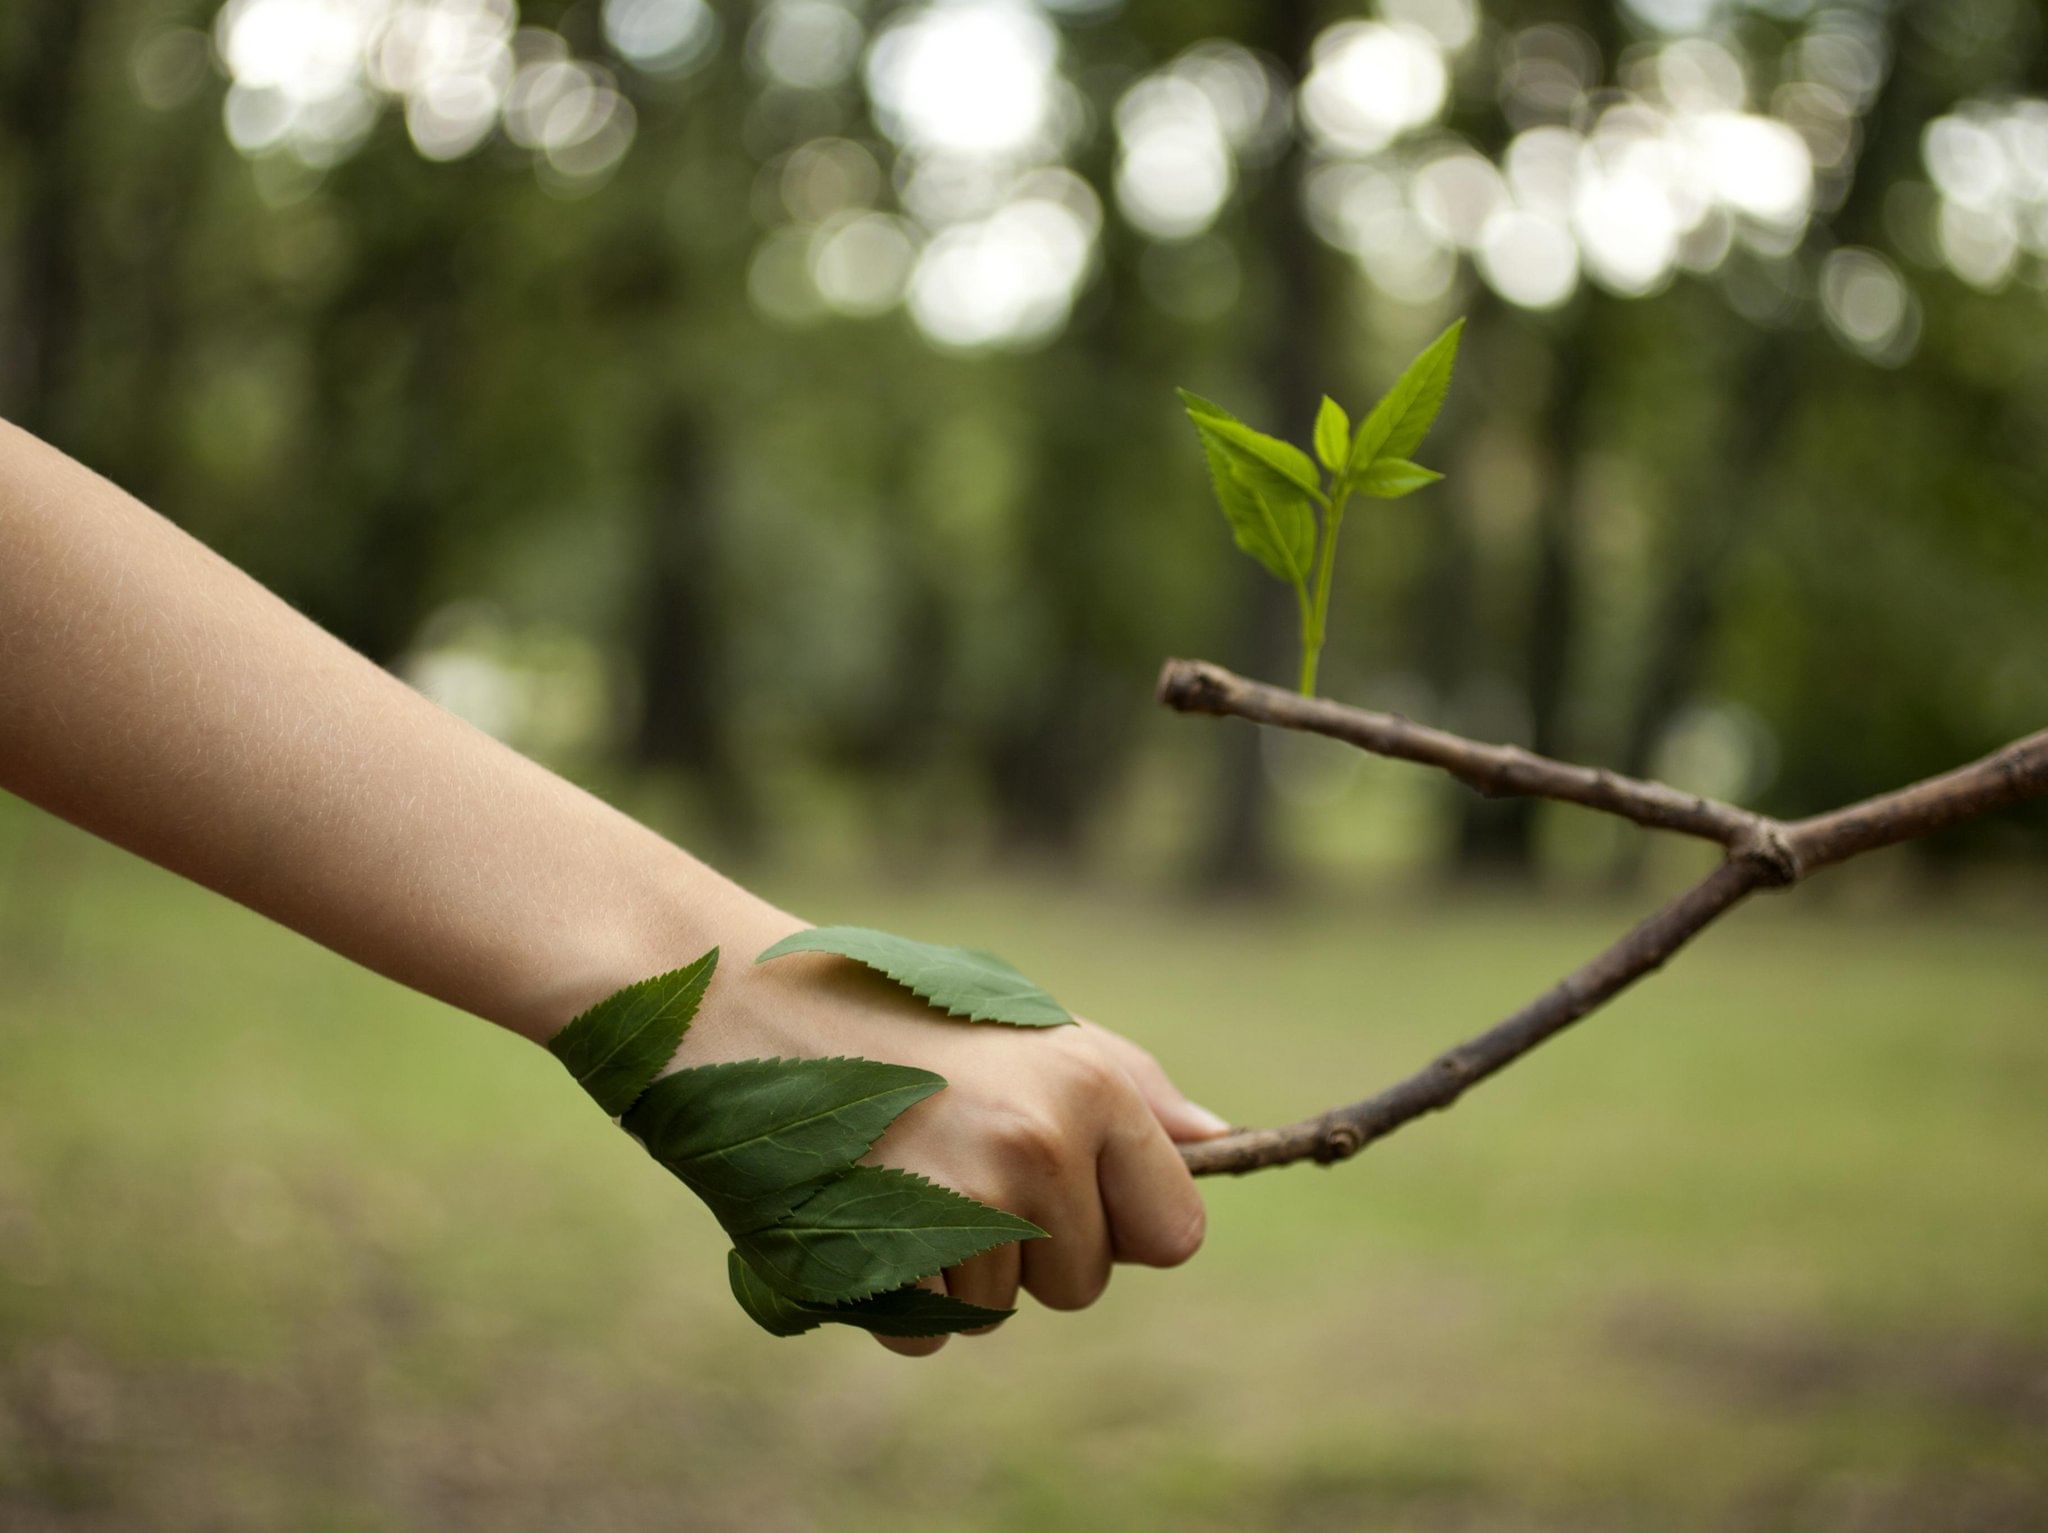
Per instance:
(1089,1075)
(1077,1291)
(1033,1141)
(1186,1239)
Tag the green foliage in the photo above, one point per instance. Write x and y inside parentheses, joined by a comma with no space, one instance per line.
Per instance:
(772,1145)
(906,1312)
(1270,516)
(1401,420)
(871,1229)
(1333,434)
(1391,478)
(1270,490)
(618,1046)
(753,1137)
(958,981)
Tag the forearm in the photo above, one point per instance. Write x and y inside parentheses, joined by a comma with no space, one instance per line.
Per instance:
(156,696)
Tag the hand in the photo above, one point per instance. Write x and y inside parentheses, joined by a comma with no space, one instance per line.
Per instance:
(1073,1128)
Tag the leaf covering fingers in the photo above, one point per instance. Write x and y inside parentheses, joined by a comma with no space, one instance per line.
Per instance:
(751,1137)
(959,981)
(900,1312)
(871,1230)
(773,1145)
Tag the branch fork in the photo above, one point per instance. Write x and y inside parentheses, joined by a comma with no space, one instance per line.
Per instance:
(1760,853)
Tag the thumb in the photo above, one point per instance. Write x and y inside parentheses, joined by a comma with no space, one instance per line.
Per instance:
(1184,1121)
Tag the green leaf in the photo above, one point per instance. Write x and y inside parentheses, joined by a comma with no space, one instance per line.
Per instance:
(1333,435)
(1391,478)
(871,1230)
(1260,457)
(1268,511)
(1284,459)
(1399,422)
(752,1137)
(1274,524)
(1200,409)
(617,1048)
(959,981)
(902,1312)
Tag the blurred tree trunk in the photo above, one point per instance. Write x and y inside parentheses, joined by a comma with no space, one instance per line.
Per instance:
(45,95)
(1497,836)
(1294,368)
(681,629)
(167,205)
(1771,374)
(1056,745)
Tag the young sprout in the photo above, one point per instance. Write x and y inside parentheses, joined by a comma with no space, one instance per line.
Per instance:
(1284,513)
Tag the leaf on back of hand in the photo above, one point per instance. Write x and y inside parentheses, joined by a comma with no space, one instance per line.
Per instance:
(900,1312)
(753,1137)
(1333,435)
(617,1048)
(1391,478)
(872,1230)
(959,981)
(1399,422)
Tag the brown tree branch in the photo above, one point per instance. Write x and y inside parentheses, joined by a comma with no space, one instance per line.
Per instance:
(1497,771)
(1762,853)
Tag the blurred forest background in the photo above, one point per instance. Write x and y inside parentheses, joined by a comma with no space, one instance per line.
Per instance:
(762,411)
(772,403)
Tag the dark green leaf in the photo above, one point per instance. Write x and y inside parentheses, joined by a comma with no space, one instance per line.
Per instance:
(959,981)
(1333,435)
(871,1230)
(1399,422)
(752,1137)
(617,1048)
(902,1312)
(1391,478)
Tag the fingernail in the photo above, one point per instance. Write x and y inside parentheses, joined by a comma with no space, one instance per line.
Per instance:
(1206,1121)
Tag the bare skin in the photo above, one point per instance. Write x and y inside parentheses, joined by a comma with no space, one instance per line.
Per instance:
(156,696)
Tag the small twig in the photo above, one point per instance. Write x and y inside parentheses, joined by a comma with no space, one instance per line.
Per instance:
(1497,771)
(1762,853)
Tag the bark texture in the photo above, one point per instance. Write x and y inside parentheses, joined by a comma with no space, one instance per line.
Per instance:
(1762,853)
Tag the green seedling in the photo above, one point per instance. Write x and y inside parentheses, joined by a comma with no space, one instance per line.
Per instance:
(1282,509)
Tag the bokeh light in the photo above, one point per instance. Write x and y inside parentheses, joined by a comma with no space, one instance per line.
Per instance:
(1988,161)
(976,78)
(1622,187)
(663,37)
(310,77)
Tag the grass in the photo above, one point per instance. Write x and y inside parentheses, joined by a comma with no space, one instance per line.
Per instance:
(1763,1246)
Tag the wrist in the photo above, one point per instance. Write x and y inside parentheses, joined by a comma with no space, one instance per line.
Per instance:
(668,917)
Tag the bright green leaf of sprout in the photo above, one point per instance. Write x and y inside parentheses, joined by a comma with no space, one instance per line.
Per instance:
(1270,491)
(1391,478)
(1333,434)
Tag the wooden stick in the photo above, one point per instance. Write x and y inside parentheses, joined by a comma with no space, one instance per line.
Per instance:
(1762,853)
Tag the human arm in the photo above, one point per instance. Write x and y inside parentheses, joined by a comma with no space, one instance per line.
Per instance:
(156,696)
